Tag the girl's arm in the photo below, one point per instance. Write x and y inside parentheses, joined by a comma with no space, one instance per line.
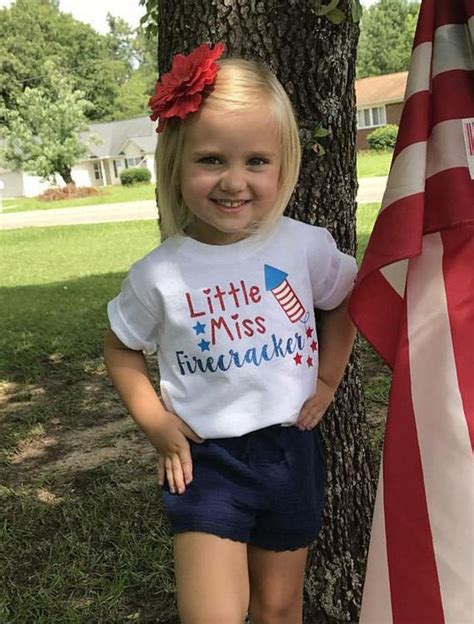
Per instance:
(129,373)
(335,345)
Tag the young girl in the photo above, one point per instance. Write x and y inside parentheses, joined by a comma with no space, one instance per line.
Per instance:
(227,303)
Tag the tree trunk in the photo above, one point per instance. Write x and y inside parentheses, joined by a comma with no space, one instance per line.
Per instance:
(315,61)
(65,174)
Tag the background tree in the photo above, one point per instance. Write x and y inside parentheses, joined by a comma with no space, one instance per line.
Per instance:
(42,132)
(137,51)
(314,58)
(34,31)
(386,37)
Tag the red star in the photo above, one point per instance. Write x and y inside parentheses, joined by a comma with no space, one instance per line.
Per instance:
(309,362)
(314,345)
(309,332)
(297,359)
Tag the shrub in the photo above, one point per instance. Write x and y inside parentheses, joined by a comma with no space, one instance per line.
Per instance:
(383,138)
(134,175)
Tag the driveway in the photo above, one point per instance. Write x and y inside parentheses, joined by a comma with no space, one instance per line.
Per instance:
(370,190)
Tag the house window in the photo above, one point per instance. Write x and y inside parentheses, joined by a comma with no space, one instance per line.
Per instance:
(97,171)
(371,117)
(133,162)
(118,166)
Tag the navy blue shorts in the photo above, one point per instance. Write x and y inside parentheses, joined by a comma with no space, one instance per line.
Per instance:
(264,488)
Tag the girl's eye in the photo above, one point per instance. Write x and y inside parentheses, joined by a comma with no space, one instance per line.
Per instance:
(209,160)
(254,162)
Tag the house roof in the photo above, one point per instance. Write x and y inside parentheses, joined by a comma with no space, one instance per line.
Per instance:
(146,144)
(115,134)
(381,89)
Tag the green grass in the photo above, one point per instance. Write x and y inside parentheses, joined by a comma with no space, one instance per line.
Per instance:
(371,163)
(74,549)
(365,218)
(109,195)
(89,556)
(83,533)
(55,283)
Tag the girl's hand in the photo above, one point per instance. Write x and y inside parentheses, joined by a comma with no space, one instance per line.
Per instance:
(170,439)
(315,407)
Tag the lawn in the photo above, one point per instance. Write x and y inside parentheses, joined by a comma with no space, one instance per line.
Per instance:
(371,163)
(84,539)
(108,195)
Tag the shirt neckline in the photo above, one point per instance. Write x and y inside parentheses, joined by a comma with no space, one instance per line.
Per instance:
(232,251)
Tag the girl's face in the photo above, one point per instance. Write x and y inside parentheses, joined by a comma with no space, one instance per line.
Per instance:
(230,172)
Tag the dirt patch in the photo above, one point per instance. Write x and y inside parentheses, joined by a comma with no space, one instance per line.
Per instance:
(57,451)
(15,394)
(52,444)
(80,450)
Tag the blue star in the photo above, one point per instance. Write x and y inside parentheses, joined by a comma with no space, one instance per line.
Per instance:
(199,328)
(204,345)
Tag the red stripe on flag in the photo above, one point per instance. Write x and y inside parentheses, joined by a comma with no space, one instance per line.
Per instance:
(413,122)
(458,269)
(422,111)
(453,11)
(436,13)
(426,23)
(414,579)
(449,199)
(453,95)
(389,242)
(385,310)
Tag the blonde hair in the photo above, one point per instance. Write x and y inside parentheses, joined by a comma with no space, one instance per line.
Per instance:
(240,85)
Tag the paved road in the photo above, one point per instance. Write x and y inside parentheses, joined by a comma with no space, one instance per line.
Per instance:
(370,190)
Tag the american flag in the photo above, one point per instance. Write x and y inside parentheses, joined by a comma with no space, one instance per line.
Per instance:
(414,302)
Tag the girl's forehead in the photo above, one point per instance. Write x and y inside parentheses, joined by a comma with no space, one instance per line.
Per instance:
(254,126)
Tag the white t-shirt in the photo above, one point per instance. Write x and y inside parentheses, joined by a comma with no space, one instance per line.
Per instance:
(233,325)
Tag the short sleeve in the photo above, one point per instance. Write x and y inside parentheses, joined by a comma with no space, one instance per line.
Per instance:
(131,321)
(332,272)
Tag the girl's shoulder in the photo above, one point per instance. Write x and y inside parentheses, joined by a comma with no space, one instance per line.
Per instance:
(304,233)
(155,263)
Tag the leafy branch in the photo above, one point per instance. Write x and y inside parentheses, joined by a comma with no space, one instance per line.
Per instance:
(319,133)
(332,11)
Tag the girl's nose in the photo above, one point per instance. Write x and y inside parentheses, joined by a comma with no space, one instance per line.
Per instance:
(233,180)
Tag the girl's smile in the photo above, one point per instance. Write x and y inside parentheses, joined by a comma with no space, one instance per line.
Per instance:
(230,172)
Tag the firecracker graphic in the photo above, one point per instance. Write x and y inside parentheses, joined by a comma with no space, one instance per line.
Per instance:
(280,287)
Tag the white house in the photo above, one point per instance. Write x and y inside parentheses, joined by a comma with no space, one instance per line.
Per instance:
(121,144)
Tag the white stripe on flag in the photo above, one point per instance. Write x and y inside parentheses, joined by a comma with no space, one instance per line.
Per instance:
(451,49)
(412,165)
(420,69)
(407,175)
(442,431)
(446,147)
(377,605)
(396,275)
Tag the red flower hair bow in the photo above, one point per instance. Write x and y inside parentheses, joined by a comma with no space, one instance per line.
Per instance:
(181,90)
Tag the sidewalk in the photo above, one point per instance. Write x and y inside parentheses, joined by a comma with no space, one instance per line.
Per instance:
(370,190)
(102,213)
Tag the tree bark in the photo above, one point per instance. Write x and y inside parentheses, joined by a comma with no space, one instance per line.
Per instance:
(65,174)
(315,61)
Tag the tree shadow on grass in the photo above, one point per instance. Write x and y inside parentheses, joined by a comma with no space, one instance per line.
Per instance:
(86,539)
